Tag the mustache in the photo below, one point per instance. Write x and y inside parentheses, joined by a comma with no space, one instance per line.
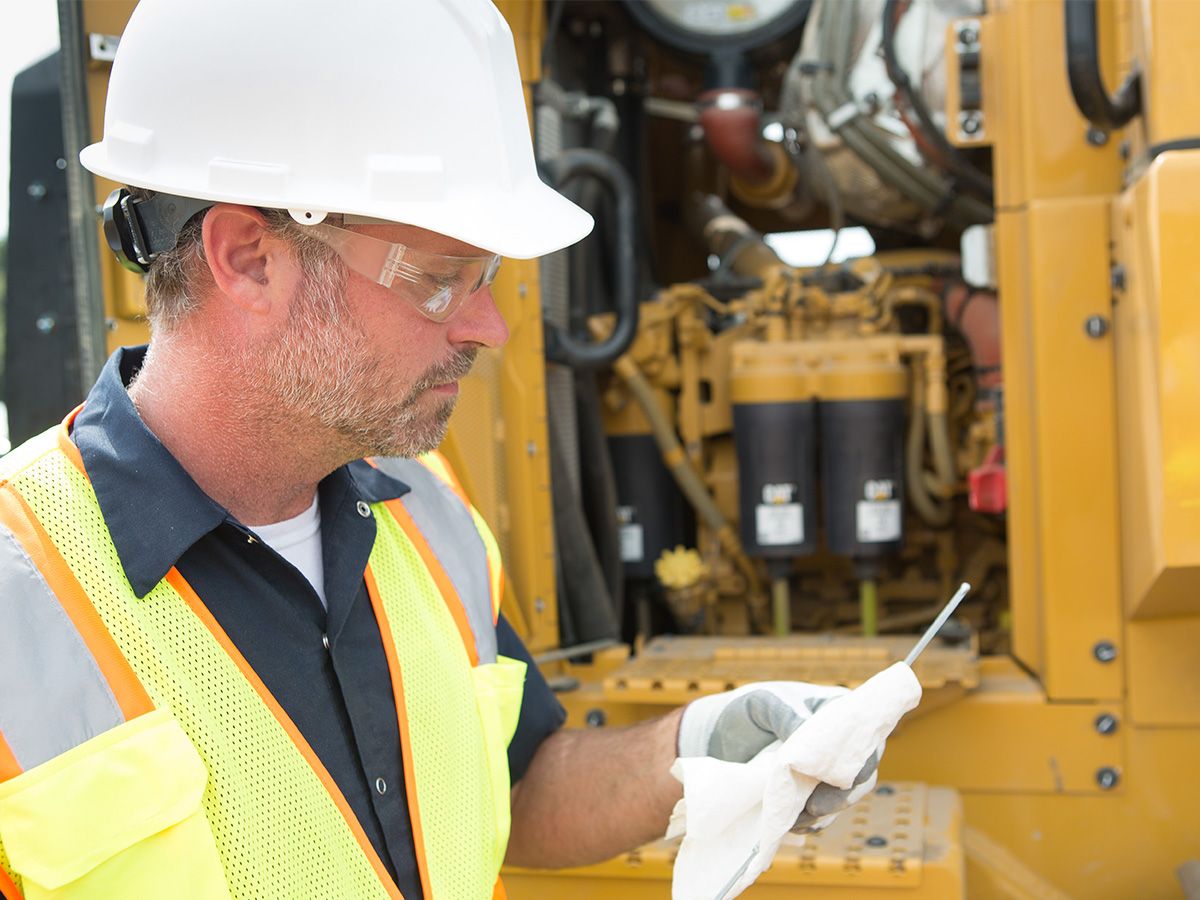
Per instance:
(453,369)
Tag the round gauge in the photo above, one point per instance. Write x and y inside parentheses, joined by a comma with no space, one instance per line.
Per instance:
(702,26)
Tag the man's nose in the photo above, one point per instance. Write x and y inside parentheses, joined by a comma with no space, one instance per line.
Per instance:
(478,321)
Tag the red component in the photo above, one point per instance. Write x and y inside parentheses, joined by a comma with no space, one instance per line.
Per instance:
(989,484)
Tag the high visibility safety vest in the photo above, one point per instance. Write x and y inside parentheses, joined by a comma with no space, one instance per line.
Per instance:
(141,756)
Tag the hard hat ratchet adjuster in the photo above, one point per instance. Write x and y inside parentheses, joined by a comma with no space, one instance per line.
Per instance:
(138,231)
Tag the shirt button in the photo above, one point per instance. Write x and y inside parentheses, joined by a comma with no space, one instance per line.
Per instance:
(325,640)
(381,786)
(363,509)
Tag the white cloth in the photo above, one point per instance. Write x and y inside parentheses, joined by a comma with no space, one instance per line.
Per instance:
(298,540)
(733,816)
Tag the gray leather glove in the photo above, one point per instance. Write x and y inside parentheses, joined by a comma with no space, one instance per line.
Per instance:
(738,725)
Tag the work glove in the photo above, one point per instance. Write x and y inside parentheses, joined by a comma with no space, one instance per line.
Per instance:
(738,725)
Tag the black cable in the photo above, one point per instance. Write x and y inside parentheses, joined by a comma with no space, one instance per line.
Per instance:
(959,165)
(552,24)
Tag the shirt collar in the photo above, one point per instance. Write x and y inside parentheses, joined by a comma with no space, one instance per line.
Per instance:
(153,509)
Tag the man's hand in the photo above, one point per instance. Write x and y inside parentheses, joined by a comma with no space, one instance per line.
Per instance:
(738,725)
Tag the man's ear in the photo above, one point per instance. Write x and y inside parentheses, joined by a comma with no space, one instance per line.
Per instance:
(238,248)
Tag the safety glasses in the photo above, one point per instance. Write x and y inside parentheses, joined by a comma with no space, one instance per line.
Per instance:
(434,283)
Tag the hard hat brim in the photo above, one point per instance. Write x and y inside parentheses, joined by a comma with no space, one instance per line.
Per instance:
(521,221)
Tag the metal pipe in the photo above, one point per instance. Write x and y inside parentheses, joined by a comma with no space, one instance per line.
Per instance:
(781,607)
(868,606)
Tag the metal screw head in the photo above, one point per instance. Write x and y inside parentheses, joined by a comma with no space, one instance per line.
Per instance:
(968,35)
(1095,326)
(595,718)
(1096,137)
(1107,777)
(45,324)
(971,123)
(60,164)
(876,840)
(1104,651)
(1116,277)
(36,190)
(1106,723)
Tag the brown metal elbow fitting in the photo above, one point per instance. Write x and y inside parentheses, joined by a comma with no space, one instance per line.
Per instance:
(732,123)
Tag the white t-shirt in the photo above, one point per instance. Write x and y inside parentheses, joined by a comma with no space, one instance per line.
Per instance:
(298,540)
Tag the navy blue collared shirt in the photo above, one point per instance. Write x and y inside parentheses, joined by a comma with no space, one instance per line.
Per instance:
(327,670)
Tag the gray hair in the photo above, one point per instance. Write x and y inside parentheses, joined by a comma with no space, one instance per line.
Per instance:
(177,278)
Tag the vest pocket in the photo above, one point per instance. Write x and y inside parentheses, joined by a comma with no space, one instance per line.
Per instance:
(117,816)
(499,687)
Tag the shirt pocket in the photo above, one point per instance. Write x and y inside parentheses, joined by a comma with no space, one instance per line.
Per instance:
(499,687)
(119,815)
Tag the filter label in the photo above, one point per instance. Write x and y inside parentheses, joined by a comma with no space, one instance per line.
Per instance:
(779,523)
(630,535)
(878,521)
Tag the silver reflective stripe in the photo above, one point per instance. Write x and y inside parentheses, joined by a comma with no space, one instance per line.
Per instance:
(53,696)
(450,531)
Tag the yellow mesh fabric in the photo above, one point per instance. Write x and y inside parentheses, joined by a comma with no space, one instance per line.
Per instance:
(277,830)
(445,734)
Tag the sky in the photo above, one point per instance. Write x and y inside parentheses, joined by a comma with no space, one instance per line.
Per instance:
(28,32)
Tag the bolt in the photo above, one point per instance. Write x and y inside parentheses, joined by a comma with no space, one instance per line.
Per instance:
(968,35)
(876,840)
(595,718)
(539,604)
(531,448)
(971,124)
(1096,137)
(1104,651)
(60,164)
(36,190)
(1107,777)
(1116,277)
(1106,723)
(110,324)
(1095,327)
(45,323)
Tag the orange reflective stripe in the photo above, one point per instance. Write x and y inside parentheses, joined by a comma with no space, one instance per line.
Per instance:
(406,751)
(8,890)
(66,445)
(498,892)
(9,767)
(402,516)
(179,583)
(16,515)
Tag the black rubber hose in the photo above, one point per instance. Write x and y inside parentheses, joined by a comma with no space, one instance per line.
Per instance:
(583,593)
(1083,72)
(561,346)
(598,487)
(971,177)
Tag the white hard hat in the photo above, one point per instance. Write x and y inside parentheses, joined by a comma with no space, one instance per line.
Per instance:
(405,110)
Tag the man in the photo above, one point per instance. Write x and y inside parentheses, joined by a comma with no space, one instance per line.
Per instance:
(250,642)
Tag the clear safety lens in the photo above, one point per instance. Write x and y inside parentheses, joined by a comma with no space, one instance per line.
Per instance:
(432,282)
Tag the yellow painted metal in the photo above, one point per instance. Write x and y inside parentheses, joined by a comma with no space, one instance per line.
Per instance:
(921,856)
(1164,39)
(1041,149)
(1112,846)
(1007,736)
(1157,333)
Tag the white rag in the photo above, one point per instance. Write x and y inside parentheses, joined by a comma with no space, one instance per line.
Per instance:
(733,816)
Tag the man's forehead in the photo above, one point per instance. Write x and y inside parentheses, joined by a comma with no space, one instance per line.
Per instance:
(413,236)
